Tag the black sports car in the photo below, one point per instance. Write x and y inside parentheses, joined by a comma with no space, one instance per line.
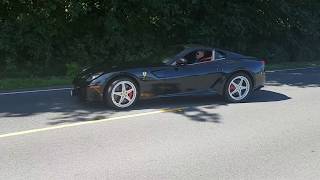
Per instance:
(193,69)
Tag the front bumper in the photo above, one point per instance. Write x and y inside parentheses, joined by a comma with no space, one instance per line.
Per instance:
(88,93)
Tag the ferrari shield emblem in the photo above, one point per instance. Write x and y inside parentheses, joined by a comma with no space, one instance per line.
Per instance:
(144,74)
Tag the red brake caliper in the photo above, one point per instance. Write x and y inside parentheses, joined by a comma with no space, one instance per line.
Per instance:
(232,88)
(130,94)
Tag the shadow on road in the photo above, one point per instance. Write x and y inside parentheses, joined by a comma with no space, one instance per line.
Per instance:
(301,78)
(58,108)
(267,96)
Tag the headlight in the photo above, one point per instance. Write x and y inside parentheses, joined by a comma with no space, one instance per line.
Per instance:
(94,76)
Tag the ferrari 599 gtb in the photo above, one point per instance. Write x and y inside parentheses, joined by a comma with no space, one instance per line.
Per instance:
(192,69)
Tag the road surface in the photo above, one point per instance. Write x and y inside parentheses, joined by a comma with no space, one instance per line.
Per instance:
(276,135)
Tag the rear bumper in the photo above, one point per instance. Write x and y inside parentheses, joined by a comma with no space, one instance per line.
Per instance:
(259,79)
(88,93)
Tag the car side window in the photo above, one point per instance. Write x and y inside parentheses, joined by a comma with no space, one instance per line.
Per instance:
(198,56)
(190,57)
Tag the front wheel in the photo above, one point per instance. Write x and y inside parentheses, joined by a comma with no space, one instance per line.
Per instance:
(122,93)
(238,88)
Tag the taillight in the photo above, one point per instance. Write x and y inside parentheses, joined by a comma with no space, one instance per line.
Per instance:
(264,62)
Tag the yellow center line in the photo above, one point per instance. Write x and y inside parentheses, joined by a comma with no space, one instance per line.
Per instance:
(19,133)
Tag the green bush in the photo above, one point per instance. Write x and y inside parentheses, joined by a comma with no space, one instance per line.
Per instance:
(72,69)
(39,39)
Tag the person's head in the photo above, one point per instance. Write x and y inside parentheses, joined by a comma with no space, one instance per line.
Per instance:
(199,54)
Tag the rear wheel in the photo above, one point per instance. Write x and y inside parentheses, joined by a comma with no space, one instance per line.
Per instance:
(122,93)
(238,88)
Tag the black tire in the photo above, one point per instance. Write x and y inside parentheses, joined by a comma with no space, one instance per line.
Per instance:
(226,93)
(111,86)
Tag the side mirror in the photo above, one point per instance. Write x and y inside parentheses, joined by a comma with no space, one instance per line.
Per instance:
(181,62)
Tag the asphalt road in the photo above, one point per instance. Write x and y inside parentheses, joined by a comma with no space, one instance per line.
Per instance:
(276,135)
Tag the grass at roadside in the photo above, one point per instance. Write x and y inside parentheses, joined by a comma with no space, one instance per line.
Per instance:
(30,83)
(26,83)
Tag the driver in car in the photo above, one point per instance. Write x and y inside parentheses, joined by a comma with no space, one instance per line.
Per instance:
(200,56)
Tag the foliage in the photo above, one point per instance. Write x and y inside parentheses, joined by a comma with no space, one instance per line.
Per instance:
(43,38)
(30,83)
(72,69)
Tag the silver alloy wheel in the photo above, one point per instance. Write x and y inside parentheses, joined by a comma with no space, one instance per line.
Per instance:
(239,88)
(123,94)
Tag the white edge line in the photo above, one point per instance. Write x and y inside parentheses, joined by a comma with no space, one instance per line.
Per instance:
(279,70)
(34,91)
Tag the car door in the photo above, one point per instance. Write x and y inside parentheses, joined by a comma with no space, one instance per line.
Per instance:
(172,79)
(205,75)
(189,77)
